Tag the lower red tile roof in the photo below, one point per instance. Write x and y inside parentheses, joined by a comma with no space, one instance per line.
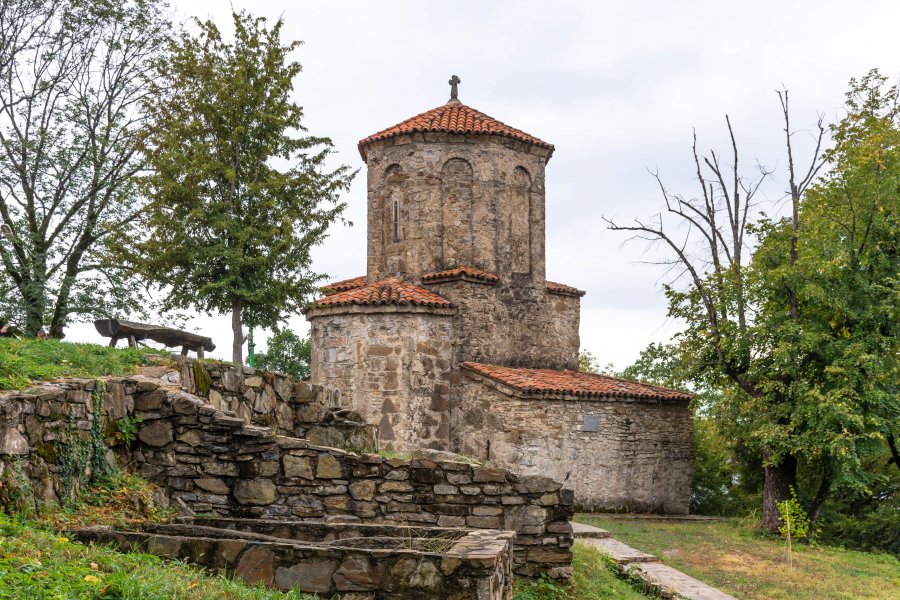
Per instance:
(563,289)
(547,381)
(388,291)
(344,285)
(460,272)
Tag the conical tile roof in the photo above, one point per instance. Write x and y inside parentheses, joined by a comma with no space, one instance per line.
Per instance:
(453,117)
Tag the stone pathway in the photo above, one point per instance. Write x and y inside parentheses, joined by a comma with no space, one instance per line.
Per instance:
(669,582)
(655,517)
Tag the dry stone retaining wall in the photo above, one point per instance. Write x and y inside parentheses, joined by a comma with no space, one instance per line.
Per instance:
(294,408)
(212,462)
(366,561)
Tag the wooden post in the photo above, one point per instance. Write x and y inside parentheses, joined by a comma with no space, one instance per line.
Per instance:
(787,518)
(184,350)
(200,352)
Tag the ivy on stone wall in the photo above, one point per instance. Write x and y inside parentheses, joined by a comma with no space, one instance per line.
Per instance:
(82,462)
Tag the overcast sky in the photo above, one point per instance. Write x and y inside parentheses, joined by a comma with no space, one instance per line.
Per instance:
(616,86)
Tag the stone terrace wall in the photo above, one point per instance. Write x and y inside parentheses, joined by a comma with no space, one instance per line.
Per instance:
(295,408)
(373,562)
(212,462)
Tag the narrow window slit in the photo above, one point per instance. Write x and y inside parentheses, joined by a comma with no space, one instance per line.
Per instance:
(396,220)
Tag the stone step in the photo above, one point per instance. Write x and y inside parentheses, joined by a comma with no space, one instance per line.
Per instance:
(666,581)
(583,531)
(619,552)
(675,584)
(652,517)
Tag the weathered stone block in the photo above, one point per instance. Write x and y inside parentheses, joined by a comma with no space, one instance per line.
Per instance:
(297,466)
(309,576)
(212,484)
(13,442)
(363,490)
(328,467)
(157,433)
(255,565)
(254,491)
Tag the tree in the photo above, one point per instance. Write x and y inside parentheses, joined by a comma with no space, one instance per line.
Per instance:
(837,360)
(803,341)
(73,77)
(287,353)
(588,363)
(227,230)
(710,292)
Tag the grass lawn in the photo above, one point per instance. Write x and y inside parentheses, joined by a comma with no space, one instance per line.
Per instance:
(737,558)
(25,360)
(593,578)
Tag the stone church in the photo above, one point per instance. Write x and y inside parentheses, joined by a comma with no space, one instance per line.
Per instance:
(454,339)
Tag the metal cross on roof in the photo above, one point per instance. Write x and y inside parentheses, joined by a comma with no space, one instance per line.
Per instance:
(454,92)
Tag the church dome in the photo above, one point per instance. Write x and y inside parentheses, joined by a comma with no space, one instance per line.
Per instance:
(453,117)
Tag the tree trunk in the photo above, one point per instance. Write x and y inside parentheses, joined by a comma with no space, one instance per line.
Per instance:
(819,501)
(895,453)
(777,488)
(34,313)
(238,343)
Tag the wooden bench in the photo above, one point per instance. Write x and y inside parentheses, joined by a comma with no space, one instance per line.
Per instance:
(136,332)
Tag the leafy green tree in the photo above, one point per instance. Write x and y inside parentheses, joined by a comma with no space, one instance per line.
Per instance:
(287,353)
(707,236)
(837,362)
(801,339)
(73,79)
(238,198)
(588,363)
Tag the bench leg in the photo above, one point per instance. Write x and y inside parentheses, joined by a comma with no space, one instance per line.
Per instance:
(184,351)
(200,352)
(113,341)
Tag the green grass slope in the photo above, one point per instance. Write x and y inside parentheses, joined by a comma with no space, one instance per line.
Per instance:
(23,361)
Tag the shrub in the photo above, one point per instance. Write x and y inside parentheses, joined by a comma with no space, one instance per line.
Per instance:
(793,517)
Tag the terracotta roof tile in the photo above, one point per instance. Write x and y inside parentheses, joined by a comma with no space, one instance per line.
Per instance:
(388,291)
(453,117)
(563,289)
(547,381)
(344,285)
(459,273)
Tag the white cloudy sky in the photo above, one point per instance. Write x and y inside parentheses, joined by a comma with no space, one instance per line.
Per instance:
(616,86)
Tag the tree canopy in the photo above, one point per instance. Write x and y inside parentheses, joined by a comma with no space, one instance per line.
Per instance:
(73,80)
(798,340)
(238,197)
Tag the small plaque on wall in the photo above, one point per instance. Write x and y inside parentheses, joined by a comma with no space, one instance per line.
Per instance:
(591,423)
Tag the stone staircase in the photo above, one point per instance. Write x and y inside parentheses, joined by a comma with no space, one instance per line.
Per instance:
(666,581)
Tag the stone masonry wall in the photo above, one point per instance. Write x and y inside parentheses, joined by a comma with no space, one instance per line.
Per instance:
(390,364)
(295,408)
(462,201)
(212,462)
(516,326)
(639,460)
(360,561)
